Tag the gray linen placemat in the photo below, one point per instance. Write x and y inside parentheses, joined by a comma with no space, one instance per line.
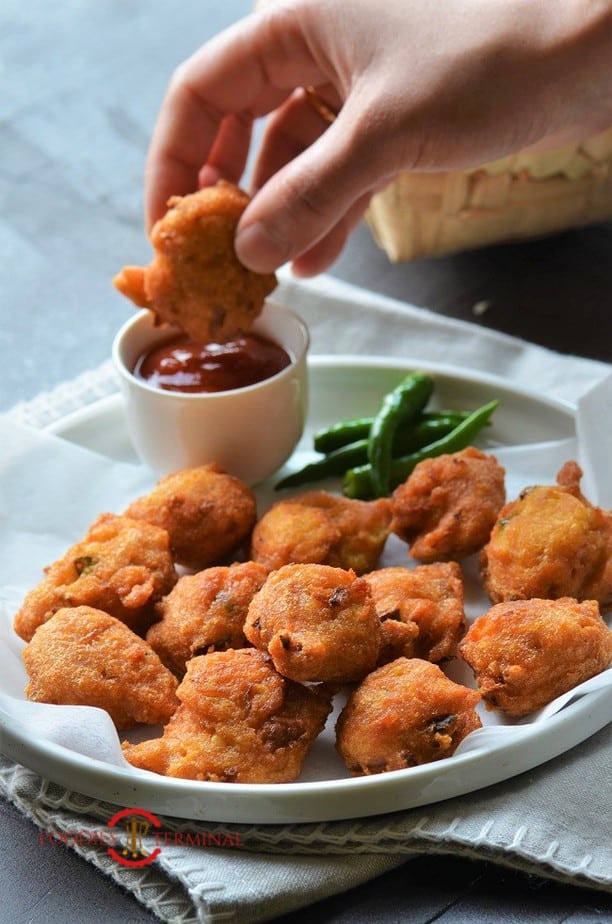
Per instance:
(552,821)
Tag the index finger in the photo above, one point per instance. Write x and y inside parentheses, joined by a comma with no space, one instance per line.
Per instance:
(245,71)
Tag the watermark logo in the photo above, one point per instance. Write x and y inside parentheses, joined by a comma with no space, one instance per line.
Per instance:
(125,833)
(137,823)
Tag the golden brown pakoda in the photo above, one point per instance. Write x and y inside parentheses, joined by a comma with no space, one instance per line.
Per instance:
(122,566)
(239,722)
(317,527)
(84,657)
(550,542)
(446,508)
(317,623)
(207,513)
(420,609)
(195,280)
(205,612)
(524,653)
(403,714)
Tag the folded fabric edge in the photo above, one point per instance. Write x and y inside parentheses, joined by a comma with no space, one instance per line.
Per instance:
(55,806)
(170,897)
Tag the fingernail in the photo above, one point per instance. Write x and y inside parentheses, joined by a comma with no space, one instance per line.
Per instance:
(209,176)
(257,250)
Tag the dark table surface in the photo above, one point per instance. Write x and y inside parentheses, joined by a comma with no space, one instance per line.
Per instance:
(81,85)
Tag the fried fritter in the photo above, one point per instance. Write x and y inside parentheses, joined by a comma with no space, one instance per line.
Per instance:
(317,623)
(195,280)
(123,566)
(550,542)
(239,722)
(84,657)
(205,612)
(317,527)
(421,610)
(524,653)
(207,513)
(448,505)
(403,714)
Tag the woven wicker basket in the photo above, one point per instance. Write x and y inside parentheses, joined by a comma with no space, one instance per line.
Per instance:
(518,197)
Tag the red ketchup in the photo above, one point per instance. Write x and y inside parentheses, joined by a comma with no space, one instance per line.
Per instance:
(181,364)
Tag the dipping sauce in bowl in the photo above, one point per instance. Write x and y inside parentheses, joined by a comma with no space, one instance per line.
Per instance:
(209,413)
(183,365)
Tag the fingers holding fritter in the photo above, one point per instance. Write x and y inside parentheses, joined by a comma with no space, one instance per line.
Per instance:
(123,566)
(205,612)
(524,653)
(448,505)
(550,542)
(239,721)
(421,610)
(82,656)
(317,623)
(403,714)
(206,512)
(317,527)
(195,280)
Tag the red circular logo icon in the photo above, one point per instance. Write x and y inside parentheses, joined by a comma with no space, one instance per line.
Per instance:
(137,823)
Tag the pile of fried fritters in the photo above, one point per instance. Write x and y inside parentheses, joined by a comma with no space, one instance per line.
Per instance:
(236,631)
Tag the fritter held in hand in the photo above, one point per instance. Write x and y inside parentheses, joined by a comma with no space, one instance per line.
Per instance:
(84,657)
(195,280)
(317,623)
(239,722)
(448,505)
(317,527)
(122,566)
(421,610)
(205,612)
(207,513)
(550,542)
(524,653)
(403,714)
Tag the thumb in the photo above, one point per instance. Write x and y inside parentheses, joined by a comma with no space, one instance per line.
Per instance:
(304,201)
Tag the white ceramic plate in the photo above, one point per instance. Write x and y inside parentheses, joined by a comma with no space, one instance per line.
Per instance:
(339,387)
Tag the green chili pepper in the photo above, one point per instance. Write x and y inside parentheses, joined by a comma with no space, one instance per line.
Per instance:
(358,428)
(404,403)
(358,481)
(334,463)
(408,439)
(342,434)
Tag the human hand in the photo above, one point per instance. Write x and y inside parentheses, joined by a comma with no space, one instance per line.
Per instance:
(415,86)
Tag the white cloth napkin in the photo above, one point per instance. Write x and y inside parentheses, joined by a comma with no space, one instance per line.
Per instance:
(551,821)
